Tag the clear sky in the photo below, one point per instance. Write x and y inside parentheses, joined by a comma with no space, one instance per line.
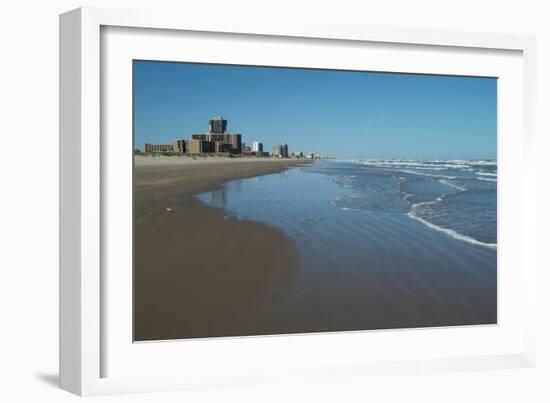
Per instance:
(340,113)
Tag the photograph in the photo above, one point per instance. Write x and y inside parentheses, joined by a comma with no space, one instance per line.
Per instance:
(275,200)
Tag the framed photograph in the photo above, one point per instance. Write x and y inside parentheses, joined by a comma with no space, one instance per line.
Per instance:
(244,203)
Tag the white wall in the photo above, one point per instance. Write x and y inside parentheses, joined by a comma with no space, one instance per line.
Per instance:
(28,198)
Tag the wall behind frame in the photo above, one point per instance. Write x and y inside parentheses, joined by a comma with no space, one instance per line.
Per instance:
(29,166)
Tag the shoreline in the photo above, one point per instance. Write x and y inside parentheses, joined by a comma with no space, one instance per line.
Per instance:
(364,263)
(201,274)
(198,273)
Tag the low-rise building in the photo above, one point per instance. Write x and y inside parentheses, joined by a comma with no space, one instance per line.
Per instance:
(158,148)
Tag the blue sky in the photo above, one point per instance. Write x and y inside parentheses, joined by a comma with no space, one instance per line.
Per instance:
(344,114)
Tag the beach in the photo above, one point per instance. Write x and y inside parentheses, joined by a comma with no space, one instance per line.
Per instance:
(196,272)
(252,247)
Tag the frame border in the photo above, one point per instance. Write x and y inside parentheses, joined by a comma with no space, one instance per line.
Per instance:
(80,307)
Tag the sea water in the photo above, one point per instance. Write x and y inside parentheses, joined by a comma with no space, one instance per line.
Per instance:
(382,243)
(457,198)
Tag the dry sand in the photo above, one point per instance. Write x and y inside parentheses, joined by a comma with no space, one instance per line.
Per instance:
(197,273)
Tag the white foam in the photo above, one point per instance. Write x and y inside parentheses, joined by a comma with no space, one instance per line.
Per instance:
(431,168)
(453,185)
(486,179)
(472,162)
(420,164)
(428,203)
(414,165)
(482,162)
(408,171)
(486,174)
(451,233)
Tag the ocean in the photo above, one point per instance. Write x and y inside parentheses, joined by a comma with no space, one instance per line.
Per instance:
(383,243)
(457,197)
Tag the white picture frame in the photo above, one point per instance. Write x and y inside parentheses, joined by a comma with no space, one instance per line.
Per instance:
(83,340)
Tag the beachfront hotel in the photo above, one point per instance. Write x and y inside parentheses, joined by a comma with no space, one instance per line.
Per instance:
(217,140)
(280,150)
(158,148)
(179,146)
(257,147)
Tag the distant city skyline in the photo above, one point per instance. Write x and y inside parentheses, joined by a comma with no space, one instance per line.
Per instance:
(340,113)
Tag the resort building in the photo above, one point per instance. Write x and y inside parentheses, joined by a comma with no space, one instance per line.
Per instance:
(158,148)
(236,142)
(218,141)
(222,147)
(280,150)
(257,147)
(179,146)
(196,146)
(217,125)
(217,133)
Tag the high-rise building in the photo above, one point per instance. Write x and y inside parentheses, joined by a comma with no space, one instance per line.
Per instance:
(284,150)
(280,150)
(217,125)
(217,133)
(257,147)
(235,140)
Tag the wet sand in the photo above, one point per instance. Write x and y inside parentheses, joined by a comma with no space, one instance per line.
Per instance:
(196,272)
